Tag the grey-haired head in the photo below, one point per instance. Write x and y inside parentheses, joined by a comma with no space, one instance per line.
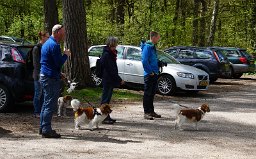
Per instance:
(112,41)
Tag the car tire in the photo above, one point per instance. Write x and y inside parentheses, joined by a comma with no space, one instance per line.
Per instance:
(96,80)
(5,99)
(235,75)
(166,85)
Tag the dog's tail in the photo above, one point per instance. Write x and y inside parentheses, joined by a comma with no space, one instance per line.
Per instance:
(75,104)
(176,108)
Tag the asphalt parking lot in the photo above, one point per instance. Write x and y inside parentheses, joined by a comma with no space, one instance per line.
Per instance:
(228,131)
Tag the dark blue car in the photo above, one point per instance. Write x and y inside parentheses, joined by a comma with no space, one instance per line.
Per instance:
(214,63)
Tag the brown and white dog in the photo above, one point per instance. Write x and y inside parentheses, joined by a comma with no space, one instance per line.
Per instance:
(93,116)
(63,103)
(190,115)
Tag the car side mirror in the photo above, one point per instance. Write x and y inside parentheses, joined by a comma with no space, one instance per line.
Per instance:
(7,57)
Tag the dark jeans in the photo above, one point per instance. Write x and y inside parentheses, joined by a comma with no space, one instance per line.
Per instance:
(106,94)
(150,85)
(51,91)
(38,99)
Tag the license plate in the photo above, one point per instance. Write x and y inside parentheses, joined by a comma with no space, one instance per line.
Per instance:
(203,83)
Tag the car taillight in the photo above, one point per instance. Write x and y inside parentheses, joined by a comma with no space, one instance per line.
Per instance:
(17,56)
(216,56)
(243,59)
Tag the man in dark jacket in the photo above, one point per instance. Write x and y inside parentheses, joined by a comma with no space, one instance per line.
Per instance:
(151,71)
(110,77)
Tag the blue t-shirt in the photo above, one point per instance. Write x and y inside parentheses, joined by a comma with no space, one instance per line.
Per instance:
(52,59)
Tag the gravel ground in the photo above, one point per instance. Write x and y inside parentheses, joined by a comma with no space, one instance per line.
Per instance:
(228,131)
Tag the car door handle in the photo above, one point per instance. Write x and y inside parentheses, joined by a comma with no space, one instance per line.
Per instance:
(129,64)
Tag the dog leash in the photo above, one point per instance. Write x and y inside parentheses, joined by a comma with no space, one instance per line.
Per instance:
(88,102)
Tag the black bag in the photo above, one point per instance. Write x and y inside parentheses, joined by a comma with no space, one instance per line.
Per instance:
(99,70)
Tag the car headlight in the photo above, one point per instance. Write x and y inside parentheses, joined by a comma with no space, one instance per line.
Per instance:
(185,75)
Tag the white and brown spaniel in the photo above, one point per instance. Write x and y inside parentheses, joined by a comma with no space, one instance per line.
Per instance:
(63,103)
(91,115)
(190,115)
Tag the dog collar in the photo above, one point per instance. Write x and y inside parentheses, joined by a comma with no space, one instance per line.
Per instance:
(95,112)
(202,112)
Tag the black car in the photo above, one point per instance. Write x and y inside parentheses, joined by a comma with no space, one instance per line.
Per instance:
(16,82)
(214,63)
(241,60)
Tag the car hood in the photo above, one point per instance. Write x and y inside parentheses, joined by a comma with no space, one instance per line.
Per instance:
(183,68)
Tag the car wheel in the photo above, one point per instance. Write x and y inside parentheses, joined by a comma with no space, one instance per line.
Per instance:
(96,80)
(5,99)
(237,75)
(166,85)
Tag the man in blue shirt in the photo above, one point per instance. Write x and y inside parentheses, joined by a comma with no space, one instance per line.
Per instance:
(50,77)
(151,71)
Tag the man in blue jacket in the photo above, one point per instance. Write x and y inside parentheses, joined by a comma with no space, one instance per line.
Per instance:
(151,71)
(50,77)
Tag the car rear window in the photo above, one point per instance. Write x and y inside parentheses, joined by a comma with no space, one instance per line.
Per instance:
(246,54)
(23,50)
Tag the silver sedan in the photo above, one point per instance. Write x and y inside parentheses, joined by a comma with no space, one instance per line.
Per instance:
(173,76)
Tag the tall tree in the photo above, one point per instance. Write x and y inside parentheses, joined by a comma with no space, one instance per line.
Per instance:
(195,23)
(203,23)
(175,20)
(51,14)
(120,16)
(78,66)
(253,24)
(215,12)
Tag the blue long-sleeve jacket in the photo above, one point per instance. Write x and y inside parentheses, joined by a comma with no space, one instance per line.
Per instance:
(52,59)
(149,58)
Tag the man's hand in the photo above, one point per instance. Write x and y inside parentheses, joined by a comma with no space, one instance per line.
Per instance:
(152,74)
(67,52)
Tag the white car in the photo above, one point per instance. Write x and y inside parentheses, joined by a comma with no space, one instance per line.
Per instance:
(172,77)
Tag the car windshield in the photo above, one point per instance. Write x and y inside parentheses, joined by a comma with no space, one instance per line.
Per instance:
(164,57)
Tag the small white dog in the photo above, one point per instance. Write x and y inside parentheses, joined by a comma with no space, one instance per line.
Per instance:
(93,116)
(190,115)
(72,86)
(63,103)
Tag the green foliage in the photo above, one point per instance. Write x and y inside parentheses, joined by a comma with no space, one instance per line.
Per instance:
(233,22)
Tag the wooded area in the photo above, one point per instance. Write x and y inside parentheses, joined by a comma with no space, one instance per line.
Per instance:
(180,22)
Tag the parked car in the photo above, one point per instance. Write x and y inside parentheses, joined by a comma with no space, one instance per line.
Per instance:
(14,40)
(214,63)
(241,61)
(16,82)
(172,77)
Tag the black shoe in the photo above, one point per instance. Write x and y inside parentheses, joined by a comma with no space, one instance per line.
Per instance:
(113,120)
(51,134)
(108,121)
(155,115)
(148,116)
(40,131)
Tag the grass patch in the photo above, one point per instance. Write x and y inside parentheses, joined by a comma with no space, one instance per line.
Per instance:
(93,95)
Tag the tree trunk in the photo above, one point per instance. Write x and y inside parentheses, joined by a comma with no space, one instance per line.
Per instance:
(175,20)
(120,16)
(195,23)
(215,13)
(51,14)
(78,66)
(253,24)
(184,4)
(203,23)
